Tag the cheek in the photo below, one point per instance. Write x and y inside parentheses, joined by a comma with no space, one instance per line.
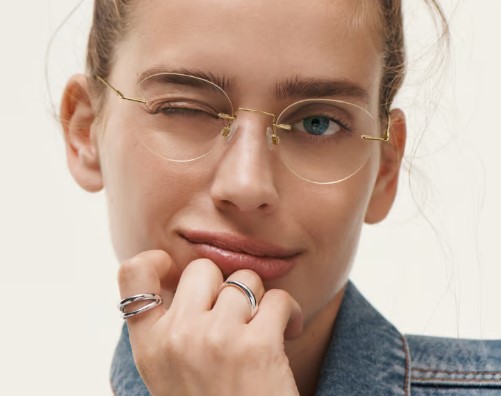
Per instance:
(334,214)
(143,190)
(332,218)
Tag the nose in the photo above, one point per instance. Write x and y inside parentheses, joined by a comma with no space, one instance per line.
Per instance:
(244,177)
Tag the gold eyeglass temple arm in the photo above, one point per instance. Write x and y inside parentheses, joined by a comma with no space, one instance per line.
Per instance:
(385,138)
(118,93)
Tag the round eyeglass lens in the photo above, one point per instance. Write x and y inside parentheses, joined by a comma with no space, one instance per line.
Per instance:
(325,143)
(181,121)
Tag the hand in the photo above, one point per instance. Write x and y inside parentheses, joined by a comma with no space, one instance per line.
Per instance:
(199,343)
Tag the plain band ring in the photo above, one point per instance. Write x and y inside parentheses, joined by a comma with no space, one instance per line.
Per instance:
(244,289)
(154,301)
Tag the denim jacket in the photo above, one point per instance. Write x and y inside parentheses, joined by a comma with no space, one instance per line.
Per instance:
(368,356)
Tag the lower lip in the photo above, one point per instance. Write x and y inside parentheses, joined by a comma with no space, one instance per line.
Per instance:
(267,268)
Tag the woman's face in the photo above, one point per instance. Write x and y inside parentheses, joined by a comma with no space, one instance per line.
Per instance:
(245,201)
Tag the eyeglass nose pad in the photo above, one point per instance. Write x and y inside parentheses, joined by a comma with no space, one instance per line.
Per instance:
(231,130)
(272,138)
(228,131)
(269,138)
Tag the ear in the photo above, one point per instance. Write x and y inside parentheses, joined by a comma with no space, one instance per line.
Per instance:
(77,119)
(392,152)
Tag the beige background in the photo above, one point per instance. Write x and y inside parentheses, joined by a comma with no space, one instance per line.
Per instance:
(58,318)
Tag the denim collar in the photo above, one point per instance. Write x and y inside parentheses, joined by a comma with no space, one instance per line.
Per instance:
(366,355)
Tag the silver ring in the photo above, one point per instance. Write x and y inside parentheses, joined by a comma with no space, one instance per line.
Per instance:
(244,289)
(154,300)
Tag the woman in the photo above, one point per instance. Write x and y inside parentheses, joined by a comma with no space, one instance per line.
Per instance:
(242,147)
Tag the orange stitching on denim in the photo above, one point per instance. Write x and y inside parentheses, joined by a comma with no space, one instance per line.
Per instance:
(405,347)
(455,371)
(458,380)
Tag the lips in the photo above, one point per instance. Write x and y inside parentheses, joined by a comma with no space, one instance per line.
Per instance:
(231,252)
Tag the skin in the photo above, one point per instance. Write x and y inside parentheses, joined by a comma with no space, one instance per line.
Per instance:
(247,192)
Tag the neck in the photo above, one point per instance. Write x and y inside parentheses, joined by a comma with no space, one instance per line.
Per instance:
(306,353)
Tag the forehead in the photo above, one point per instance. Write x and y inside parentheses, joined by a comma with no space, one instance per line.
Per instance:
(257,42)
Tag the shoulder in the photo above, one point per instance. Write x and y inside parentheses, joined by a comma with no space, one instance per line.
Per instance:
(469,367)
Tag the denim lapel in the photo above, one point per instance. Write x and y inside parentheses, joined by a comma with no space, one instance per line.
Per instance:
(366,355)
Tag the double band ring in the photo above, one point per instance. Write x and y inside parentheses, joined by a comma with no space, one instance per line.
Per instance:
(246,291)
(152,299)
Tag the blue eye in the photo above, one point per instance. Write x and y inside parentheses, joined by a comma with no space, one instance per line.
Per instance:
(316,125)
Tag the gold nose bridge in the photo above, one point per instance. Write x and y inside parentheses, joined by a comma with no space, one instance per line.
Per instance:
(258,112)
(274,138)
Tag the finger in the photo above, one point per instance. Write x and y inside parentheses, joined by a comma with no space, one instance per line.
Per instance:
(280,314)
(232,303)
(197,288)
(149,272)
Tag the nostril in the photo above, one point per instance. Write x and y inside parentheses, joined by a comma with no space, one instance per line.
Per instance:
(244,207)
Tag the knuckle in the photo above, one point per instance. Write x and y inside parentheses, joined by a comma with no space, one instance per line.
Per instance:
(202,264)
(203,268)
(153,255)
(278,299)
(128,270)
(278,295)
(215,341)
(141,263)
(176,342)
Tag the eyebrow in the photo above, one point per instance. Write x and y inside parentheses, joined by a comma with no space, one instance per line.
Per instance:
(220,80)
(303,88)
(294,88)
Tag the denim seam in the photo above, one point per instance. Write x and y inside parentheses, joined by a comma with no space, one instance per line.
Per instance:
(405,347)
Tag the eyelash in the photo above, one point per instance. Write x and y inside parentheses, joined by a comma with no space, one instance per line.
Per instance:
(172,108)
(342,124)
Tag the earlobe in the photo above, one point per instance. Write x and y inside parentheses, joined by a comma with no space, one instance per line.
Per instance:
(77,119)
(392,152)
